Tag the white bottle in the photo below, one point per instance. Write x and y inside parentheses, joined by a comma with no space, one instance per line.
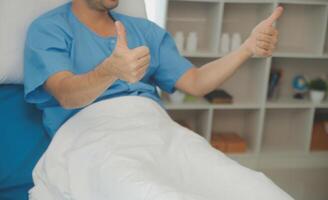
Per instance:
(179,40)
(235,41)
(225,43)
(192,42)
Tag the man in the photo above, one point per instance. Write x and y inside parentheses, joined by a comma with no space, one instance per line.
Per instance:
(83,52)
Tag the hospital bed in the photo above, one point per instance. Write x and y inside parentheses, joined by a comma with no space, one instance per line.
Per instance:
(22,137)
(121,148)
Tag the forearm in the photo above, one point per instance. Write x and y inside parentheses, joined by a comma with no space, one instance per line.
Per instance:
(76,91)
(211,75)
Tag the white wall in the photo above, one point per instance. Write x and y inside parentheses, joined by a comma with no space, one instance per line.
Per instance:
(156,11)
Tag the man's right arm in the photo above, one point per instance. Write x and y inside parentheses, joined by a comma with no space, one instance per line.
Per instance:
(76,91)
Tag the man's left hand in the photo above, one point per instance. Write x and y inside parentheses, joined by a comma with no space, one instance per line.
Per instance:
(264,36)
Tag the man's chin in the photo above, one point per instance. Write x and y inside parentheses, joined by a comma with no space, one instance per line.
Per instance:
(110,4)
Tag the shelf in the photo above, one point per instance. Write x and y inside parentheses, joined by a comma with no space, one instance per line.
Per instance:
(243,17)
(200,17)
(299,32)
(203,104)
(197,120)
(195,105)
(243,122)
(311,68)
(236,106)
(324,104)
(275,55)
(300,55)
(288,102)
(286,130)
(294,103)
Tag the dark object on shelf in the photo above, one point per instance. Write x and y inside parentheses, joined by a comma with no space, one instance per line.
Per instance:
(275,76)
(229,142)
(318,84)
(219,97)
(319,137)
(300,86)
(298,96)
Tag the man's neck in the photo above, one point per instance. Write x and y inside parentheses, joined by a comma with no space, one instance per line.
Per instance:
(98,21)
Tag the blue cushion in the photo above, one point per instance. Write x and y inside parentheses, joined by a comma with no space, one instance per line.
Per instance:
(22,142)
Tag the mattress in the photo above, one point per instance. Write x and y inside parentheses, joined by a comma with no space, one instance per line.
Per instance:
(22,142)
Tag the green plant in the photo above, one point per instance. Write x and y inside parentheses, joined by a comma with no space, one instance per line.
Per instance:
(318,84)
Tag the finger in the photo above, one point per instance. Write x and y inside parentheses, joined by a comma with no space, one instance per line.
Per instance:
(121,35)
(142,71)
(264,45)
(275,15)
(143,61)
(270,31)
(264,38)
(140,52)
(263,52)
(138,74)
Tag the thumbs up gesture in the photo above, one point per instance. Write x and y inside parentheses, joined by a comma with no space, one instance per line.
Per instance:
(127,64)
(264,36)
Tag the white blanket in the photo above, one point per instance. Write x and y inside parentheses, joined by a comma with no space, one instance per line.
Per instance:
(128,148)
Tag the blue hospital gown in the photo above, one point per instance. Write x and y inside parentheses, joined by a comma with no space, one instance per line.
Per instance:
(58,41)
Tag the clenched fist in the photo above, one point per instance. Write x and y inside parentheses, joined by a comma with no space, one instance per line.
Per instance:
(264,36)
(127,64)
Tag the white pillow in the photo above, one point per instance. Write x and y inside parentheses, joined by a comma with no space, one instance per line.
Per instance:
(17,15)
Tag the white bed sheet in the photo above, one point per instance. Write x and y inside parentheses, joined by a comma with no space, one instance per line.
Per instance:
(129,148)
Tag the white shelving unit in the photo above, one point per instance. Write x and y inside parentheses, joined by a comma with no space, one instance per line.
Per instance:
(277,132)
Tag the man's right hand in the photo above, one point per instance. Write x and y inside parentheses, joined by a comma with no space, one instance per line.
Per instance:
(127,64)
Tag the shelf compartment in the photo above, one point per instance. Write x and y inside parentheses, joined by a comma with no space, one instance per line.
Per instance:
(199,17)
(246,85)
(302,28)
(242,122)
(250,13)
(311,68)
(319,136)
(286,130)
(196,120)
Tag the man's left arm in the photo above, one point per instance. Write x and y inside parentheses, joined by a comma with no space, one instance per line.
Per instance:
(261,42)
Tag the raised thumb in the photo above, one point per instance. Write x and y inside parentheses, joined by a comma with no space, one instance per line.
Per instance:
(121,35)
(275,15)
